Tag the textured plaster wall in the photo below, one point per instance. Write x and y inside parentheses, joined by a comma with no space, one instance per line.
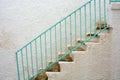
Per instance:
(21,20)
(116,39)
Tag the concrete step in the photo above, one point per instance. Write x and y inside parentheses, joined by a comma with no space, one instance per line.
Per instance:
(95,39)
(68,58)
(42,76)
(108,30)
(53,75)
(69,71)
(65,66)
(54,68)
(81,48)
(115,6)
(92,64)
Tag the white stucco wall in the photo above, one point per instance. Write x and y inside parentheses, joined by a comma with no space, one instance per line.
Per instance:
(115,18)
(21,20)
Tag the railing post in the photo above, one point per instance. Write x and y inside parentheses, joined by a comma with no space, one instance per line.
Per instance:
(56,42)
(31,58)
(99,14)
(27,62)
(45,50)
(80,25)
(41,52)
(23,71)
(95,15)
(50,45)
(75,25)
(90,19)
(18,72)
(65,36)
(36,56)
(104,13)
(60,38)
(70,32)
(85,20)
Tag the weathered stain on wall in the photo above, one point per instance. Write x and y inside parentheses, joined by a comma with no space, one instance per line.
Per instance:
(6,40)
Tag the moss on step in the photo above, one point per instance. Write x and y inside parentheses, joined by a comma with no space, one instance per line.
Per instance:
(54,68)
(81,48)
(79,41)
(92,35)
(100,25)
(68,57)
(108,29)
(41,76)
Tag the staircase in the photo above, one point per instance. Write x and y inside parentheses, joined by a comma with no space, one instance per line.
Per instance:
(75,48)
(92,64)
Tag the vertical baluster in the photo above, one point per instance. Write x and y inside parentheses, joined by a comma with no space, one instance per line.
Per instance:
(45,50)
(27,62)
(95,15)
(31,58)
(100,13)
(36,56)
(41,52)
(17,64)
(109,1)
(22,64)
(75,26)
(85,21)
(104,13)
(56,42)
(80,25)
(70,32)
(90,19)
(65,36)
(60,39)
(50,45)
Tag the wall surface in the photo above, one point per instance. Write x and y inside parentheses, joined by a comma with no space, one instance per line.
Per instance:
(21,20)
(116,39)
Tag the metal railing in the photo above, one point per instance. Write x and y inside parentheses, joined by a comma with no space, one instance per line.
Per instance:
(34,57)
(114,1)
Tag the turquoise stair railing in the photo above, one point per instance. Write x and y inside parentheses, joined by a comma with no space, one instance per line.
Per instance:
(34,57)
(114,1)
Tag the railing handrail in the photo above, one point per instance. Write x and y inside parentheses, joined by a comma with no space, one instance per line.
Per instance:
(110,1)
(53,26)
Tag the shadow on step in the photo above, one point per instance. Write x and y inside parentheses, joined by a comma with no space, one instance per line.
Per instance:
(54,68)
(81,48)
(93,38)
(67,58)
(102,26)
(41,76)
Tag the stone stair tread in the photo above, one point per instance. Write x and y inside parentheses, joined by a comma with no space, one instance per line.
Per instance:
(79,65)
(95,39)
(62,62)
(81,48)
(68,58)
(54,68)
